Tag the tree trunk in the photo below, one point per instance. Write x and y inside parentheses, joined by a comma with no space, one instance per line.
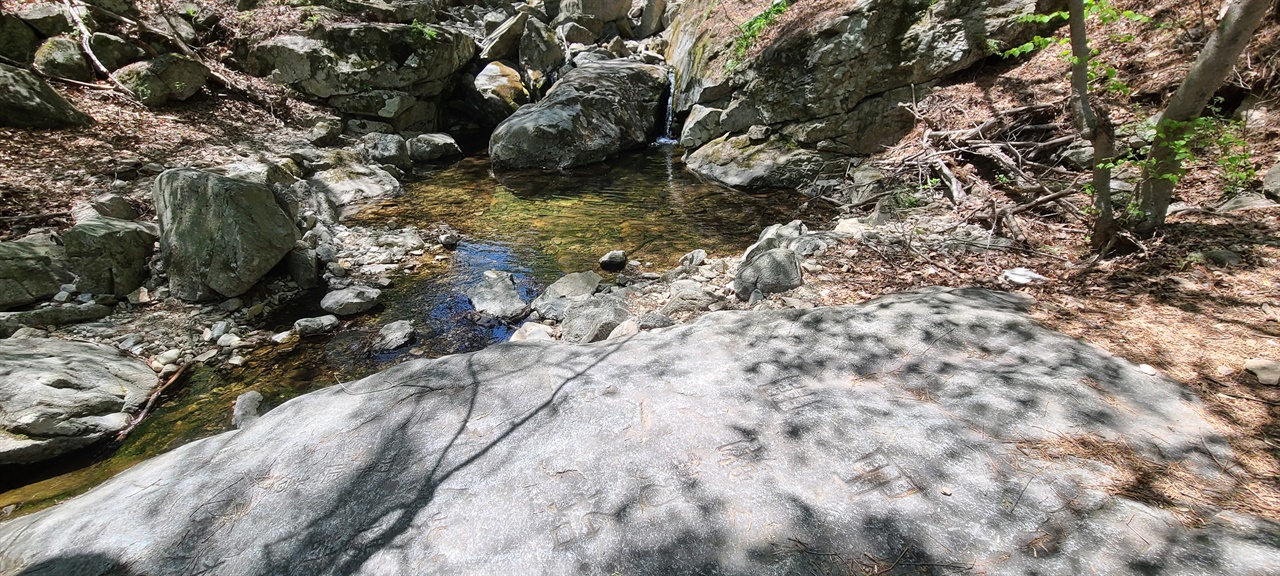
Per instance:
(1095,127)
(1209,71)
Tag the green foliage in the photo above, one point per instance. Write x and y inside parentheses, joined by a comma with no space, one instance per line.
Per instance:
(1103,13)
(426,31)
(749,31)
(1234,159)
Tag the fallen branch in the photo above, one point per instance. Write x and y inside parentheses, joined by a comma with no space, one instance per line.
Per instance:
(88,50)
(26,217)
(47,76)
(151,402)
(266,102)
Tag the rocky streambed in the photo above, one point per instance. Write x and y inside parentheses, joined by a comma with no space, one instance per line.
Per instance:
(535,226)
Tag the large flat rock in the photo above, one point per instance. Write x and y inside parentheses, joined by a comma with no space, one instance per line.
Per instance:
(903,431)
(58,396)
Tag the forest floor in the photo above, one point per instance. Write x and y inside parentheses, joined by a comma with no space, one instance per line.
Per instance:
(1163,305)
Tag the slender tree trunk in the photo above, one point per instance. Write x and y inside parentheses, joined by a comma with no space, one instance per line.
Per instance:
(1095,127)
(1209,71)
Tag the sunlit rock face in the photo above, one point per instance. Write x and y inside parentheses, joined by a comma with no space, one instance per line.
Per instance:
(919,426)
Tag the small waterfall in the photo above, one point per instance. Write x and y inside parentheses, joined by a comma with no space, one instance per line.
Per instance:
(667,138)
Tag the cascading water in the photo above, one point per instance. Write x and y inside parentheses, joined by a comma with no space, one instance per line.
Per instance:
(667,138)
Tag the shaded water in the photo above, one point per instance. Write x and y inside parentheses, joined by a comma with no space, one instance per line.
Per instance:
(536,225)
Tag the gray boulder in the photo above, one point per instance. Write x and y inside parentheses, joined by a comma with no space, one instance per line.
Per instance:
(245,410)
(592,319)
(349,301)
(50,18)
(303,267)
(688,296)
(11,322)
(651,20)
(60,56)
(31,269)
(110,255)
(574,33)
(167,78)
(219,235)
(432,147)
(405,70)
(495,93)
(113,206)
(26,101)
(375,103)
(57,396)
(386,149)
(553,302)
(505,41)
(702,126)
(394,335)
(496,295)
(113,51)
(838,82)
(541,55)
(316,326)
(595,111)
(738,163)
(18,42)
(345,189)
(917,429)
(770,272)
(603,10)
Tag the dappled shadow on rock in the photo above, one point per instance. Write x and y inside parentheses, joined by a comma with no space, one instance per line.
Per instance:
(888,437)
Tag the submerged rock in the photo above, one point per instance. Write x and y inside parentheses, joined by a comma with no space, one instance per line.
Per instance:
(496,295)
(394,335)
(862,430)
(353,300)
(594,112)
(315,326)
(58,396)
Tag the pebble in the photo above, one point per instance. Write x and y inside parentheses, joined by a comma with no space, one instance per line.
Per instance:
(228,340)
(61,296)
(236,361)
(207,355)
(168,370)
(169,356)
(231,305)
(1267,371)
(281,337)
(1147,369)
(220,328)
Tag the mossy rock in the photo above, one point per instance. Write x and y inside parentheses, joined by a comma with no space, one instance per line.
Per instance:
(167,78)
(61,57)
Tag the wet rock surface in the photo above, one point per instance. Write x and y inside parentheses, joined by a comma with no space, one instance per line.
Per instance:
(888,429)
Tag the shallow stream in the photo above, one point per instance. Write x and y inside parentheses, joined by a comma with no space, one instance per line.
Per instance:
(538,226)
